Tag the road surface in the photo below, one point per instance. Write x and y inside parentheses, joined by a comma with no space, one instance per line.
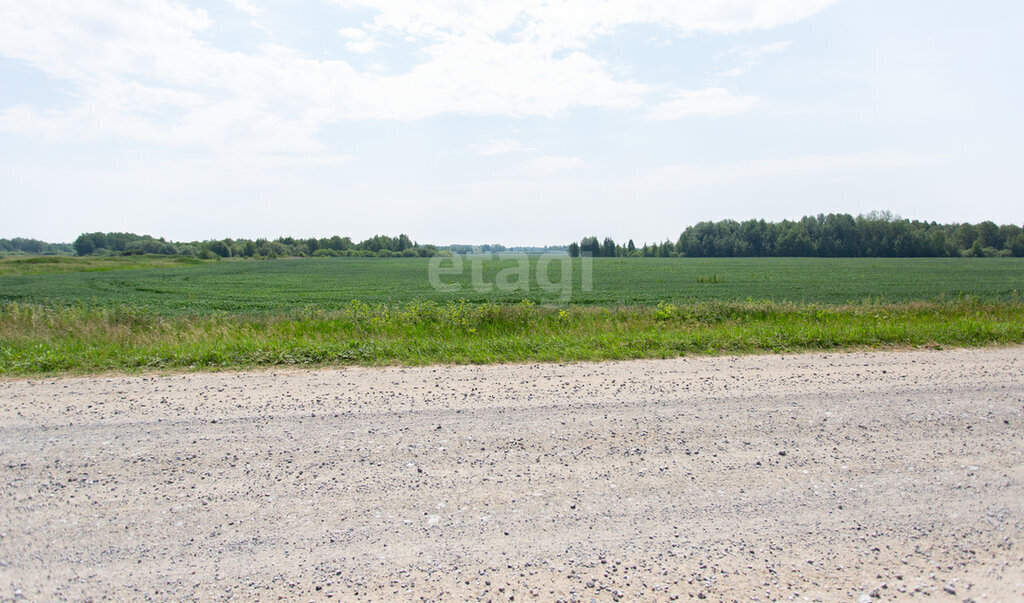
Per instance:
(838,476)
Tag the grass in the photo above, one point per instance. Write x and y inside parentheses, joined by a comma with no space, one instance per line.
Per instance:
(47,340)
(50,264)
(76,316)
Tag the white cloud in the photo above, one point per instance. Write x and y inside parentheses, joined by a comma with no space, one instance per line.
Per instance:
(500,147)
(745,58)
(262,163)
(710,102)
(548,165)
(571,23)
(359,40)
(150,70)
(246,7)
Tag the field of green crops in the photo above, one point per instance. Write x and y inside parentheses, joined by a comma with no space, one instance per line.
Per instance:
(74,316)
(332,283)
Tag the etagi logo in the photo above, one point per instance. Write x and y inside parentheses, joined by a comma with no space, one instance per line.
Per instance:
(516,273)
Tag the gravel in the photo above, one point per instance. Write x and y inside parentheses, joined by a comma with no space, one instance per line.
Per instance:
(858,476)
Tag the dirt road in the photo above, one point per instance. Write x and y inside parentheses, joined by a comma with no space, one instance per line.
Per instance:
(822,476)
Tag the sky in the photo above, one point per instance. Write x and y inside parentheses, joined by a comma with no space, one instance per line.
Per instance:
(524,122)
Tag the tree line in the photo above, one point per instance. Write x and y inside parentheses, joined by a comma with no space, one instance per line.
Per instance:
(124,243)
(19,245)
(878,234)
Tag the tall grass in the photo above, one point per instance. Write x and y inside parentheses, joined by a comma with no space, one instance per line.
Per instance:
(52,339)
(50,264)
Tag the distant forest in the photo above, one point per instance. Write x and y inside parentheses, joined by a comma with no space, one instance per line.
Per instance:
(123,243)
(34,247)
(878,234)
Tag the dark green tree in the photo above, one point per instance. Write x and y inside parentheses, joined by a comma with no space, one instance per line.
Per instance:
(83,245)
(220,248)
(608,248)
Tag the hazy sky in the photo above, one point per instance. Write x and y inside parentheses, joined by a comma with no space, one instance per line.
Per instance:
(524,121)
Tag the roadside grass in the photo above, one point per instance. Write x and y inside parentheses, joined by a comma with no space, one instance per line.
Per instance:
(38,339)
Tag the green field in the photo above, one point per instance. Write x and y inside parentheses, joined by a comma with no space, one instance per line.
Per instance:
(332,283)
(146,314)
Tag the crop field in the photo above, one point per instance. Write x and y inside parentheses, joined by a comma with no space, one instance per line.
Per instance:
(332,283)
(312,312)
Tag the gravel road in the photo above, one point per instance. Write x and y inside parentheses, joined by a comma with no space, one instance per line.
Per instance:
(839,476)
